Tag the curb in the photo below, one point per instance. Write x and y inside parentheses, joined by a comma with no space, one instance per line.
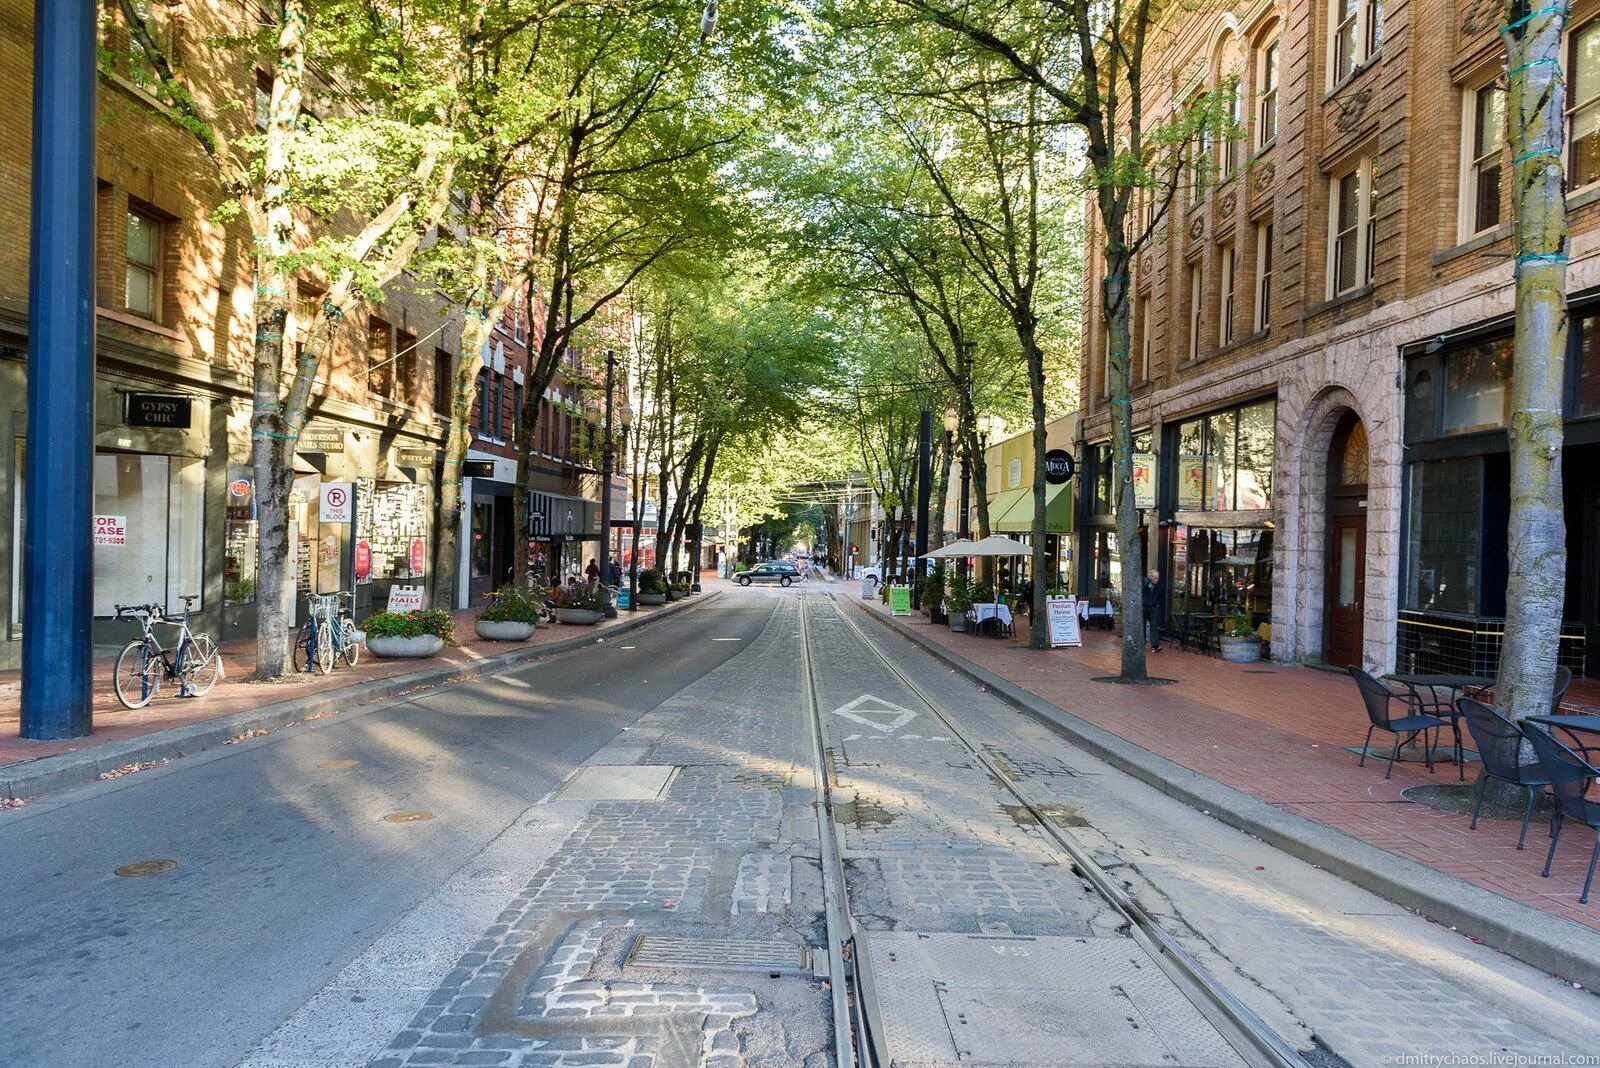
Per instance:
(29,778)
(1560,947)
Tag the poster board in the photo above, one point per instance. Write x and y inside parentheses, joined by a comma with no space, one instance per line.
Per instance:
(1062,615)
(405,598)
(869,586)
(899,600)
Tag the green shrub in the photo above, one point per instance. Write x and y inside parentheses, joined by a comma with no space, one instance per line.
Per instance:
(411,625)
(650,581)
(933,588)
(958,595)
(740,565)
(510,604)
(1238,626)
(584,596)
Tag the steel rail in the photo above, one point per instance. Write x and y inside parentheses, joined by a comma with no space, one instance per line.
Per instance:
(851,1034)
(1239,1025)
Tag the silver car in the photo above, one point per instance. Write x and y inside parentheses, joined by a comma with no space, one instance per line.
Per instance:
(783,574)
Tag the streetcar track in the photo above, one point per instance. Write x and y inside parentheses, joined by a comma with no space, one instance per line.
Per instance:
(1253,1039)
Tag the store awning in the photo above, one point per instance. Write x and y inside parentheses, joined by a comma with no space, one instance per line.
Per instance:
(1019,518)
(1002,503)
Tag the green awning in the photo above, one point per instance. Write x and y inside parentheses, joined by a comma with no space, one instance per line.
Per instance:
(1019,517)
(999,505)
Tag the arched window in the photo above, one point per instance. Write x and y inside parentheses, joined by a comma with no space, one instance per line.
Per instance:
(1229,75)
(1352,464)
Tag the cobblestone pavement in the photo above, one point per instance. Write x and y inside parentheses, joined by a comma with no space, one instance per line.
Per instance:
(1332,967)
(658,910)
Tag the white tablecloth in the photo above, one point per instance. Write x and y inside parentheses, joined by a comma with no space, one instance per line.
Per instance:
(980,612)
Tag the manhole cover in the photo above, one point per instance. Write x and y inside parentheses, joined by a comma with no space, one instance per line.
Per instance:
(146,867)
(407,817)
(338,765)
(753,955)
(617,782)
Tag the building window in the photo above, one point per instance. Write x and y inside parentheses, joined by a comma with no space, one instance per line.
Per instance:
(1584,115)
(1230,77)
(1476,396)
(1229,278)
(1486,118)
(1351,230)
(149,526)
(483,403)
(1263,275)
(444,384)
(1356,37)
(1196,310)
(239,538)
(405,367)
(516,411)
(1225,460)
(143,288)
(1443,542)
(380,365)
(497,406)
(1267,95)
(1199,160)
(1147,330)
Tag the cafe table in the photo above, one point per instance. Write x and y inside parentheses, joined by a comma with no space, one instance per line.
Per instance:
(1573,726)
(1433,683)
(981,613)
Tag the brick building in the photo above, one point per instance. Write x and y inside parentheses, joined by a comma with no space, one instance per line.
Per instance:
(1321,337)
(175,321)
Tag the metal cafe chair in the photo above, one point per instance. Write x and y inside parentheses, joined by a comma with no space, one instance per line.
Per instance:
(1570,776)
(1499,743)
(1378,697)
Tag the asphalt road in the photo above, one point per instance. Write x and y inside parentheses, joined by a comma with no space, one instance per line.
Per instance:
(287,870)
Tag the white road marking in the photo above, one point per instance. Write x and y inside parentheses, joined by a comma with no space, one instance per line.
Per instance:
(889,717)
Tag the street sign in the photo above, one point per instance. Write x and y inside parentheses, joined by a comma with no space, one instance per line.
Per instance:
(164,411)
(111,530)
(1062,615)
(899,600)
(1058,467)
(336,503)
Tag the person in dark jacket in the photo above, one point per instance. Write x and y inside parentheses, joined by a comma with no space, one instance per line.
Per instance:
(1153,596)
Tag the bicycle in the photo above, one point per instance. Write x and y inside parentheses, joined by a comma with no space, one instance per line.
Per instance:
(144,663)
(329,633)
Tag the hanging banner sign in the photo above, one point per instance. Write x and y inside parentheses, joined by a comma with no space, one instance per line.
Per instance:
(363,560)
(405,598)
(419,556)
(111,530)
(1144,480)
(899,600)
(336,503)
(1062,615)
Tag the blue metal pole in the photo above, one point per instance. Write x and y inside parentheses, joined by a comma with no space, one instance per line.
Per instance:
(58,560)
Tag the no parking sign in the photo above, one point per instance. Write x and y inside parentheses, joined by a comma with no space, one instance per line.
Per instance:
(337,503)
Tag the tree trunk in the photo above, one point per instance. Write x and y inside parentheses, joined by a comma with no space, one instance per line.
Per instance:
(1536,533)
(1114,288)
(1038,626)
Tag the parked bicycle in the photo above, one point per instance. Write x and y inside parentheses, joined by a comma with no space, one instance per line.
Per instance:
(329,633)
(144,663)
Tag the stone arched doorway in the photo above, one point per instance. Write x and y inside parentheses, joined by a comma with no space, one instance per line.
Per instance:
(1344,592)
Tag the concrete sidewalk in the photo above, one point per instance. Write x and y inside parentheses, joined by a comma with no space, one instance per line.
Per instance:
(1273,738)
(171,726)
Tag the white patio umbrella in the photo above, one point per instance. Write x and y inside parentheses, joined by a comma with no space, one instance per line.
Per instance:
(999,545)
(955,548)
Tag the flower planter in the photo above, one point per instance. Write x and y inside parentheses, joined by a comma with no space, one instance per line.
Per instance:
(580,617)
(503,630)
(958,622)
(392,648)
(1241,650)
(672,595)
(652,598)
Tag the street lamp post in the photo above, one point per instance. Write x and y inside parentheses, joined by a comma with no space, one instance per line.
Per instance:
(605,482)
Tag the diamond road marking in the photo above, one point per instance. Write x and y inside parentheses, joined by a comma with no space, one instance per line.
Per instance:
(886,717)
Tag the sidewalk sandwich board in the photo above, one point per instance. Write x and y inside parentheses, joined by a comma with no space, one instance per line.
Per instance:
(899,600)
(1062,615)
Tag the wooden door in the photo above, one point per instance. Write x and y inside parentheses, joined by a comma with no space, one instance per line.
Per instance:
(1347,569)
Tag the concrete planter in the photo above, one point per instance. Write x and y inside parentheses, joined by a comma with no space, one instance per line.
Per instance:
(958,622)
(503,630)
(423,645)
(1241,650)
(581,617)
(652,598)
(672,595)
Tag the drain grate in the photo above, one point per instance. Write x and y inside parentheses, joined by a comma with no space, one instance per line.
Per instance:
(773,956)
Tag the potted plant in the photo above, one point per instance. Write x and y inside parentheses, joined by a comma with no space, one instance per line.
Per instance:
(1239,642)
(583,605)
(957,599)
(511,616)
(933,596)
(409,635)
(677,591)
(652,587)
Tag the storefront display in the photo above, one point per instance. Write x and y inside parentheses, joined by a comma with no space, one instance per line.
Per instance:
(150,512)
(391,517)
(239,539)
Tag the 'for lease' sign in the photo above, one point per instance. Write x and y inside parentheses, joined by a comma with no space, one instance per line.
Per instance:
(111,530)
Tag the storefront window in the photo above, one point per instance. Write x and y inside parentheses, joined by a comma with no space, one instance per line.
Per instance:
(1443,540)
(1107,563)
(482,538)
(303,527)
(1588,396)
(239,539)
(393,517)
(1102,479)
(1225,460)
(1475,396)
(1224,572)
(149,521)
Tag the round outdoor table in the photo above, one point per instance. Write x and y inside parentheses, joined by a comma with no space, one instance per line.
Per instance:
(1574,726)
(981,613)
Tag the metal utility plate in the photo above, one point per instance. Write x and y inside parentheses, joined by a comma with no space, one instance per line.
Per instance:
(954,999)
(618,782)
(738,954)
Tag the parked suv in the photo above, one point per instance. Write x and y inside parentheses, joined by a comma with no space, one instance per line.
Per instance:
(777,571)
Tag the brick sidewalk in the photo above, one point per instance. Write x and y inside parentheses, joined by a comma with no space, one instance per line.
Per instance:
(1277,732)
(235,693)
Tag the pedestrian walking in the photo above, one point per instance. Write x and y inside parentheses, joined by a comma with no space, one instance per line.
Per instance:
(592,572)
(615,578)
(1152,597)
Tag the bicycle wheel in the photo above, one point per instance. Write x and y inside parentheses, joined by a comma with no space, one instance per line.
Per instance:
(300,653)
(202,665)
(347,639)
(138,675)
(326,650)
